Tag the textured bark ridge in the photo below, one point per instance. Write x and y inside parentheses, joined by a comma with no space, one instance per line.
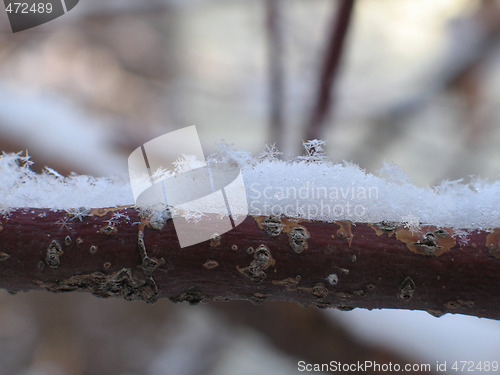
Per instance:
(119,252)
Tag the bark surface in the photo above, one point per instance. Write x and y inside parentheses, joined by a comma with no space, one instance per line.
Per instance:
(117,252)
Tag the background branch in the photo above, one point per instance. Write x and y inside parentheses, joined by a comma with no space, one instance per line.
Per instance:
(328,72)
(275,72)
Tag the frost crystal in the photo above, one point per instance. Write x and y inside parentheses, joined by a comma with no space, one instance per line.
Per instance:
(25,159)
(314,151)
(78,213)
(411,222)
(187,163)
(51,172)
(64,224)
(462,236)
(270,153)
(118,215)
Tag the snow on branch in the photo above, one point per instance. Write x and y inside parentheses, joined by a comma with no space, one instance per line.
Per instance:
(318,233)
(308,187)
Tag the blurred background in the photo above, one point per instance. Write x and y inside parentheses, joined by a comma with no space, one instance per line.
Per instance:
(418,84)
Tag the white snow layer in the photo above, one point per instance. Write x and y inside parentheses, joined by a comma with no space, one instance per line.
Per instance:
(309,187)
(21,187)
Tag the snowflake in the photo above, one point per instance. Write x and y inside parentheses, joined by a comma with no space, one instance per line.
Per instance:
(118,215)
(186,163)
(314,151)
(25,160)
(111,222)
(64,223)
(270,152)
(462,236)
(412,223)
(50,171)
(78,213)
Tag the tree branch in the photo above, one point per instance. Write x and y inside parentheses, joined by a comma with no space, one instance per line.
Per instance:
(115,252)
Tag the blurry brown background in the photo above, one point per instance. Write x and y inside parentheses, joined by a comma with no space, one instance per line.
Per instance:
(419,86)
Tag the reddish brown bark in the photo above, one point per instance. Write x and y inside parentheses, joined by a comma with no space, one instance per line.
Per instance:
(312,263)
